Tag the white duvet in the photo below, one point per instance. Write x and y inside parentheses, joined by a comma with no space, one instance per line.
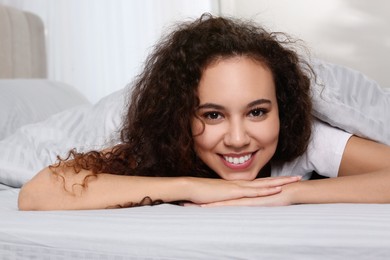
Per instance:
(332,231)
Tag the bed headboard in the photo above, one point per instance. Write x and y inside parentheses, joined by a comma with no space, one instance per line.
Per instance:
(22,44)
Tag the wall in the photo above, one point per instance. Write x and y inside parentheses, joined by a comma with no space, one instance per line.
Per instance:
(355,33)
(98,46)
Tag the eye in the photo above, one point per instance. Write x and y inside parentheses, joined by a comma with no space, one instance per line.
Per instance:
(257,112)
(212,115)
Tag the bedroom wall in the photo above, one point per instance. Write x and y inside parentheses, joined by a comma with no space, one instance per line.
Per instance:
(98,46)
(355,33)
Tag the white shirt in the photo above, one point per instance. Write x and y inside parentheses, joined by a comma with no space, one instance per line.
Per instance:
(323,154)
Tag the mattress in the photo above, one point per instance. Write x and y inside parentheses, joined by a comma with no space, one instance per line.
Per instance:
(328,231)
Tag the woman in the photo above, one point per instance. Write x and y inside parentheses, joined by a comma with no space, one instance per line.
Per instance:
(220,107)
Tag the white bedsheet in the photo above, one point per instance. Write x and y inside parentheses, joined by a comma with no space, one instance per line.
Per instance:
(331,231)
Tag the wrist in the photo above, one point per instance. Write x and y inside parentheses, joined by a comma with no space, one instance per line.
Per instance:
(310,191)
(169,189)
(293,192)
(187,187)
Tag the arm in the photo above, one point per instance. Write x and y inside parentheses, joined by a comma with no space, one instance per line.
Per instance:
(370,187)
(49,191)
(364,177)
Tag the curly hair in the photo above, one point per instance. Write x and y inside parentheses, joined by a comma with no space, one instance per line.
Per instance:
(156,137)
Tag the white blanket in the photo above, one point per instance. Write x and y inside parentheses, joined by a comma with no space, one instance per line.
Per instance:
(330,231)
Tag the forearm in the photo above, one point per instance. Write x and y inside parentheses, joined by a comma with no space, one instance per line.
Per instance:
(65,190)
(48,191)
(364,188)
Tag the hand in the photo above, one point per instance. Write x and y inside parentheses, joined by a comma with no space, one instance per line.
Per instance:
(216,191)
(282,198)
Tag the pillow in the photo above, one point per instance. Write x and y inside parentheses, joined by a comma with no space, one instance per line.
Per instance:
(349,100)
(24,101)
(35,146)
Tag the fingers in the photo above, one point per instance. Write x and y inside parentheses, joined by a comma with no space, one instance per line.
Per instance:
(266,186)
(235,202)
(261,192)
(268,201)
(274,181)
(278,181)
(203,190)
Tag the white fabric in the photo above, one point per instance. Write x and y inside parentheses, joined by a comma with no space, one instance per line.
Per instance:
(36,146)
(25,101)
(4,187)
(328,231)
(347,99)
(323,154)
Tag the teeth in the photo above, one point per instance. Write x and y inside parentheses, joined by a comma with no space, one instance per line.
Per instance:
(237,160)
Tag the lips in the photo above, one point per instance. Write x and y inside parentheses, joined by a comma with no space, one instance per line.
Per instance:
(237,161)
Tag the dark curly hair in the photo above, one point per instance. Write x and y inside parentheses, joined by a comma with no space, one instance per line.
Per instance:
(156,138)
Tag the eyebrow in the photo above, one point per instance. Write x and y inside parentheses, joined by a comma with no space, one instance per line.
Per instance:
(251,104)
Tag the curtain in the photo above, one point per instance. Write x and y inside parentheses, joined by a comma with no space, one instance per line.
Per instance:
(99,46)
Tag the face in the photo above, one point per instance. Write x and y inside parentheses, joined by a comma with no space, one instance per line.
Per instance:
(239,110)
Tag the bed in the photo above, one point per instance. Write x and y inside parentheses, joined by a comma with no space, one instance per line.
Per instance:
(333,231)
(34,132)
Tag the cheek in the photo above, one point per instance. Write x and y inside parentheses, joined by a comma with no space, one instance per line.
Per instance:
(197,127)
(268,133)
(273,133)
(206,137)
(198,133)
(274,130)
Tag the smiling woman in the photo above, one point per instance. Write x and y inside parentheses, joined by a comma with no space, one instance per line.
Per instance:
(237,125)
(221,104)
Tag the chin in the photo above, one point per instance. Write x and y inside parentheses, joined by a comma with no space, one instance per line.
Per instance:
(238,176)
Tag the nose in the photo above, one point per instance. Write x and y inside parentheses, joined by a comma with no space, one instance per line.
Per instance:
(236,136)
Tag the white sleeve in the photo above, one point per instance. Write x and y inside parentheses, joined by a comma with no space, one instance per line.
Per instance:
(323,155)
(326,148)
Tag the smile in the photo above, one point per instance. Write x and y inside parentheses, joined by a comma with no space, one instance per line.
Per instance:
(238,160)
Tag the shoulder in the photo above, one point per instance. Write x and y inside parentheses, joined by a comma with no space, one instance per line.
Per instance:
(327,138)
(323,154)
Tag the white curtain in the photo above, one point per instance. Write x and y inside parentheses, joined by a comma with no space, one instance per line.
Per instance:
(98,46)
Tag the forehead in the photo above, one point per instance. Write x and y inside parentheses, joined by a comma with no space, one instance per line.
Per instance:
(234,79)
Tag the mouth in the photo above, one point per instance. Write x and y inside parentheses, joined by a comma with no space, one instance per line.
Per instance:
(237,161)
